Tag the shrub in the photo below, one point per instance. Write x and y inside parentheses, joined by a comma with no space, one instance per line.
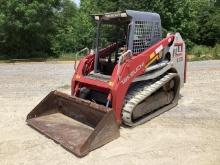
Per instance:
(201,52)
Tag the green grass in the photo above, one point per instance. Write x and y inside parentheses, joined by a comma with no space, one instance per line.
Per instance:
(200,52)
(197,53)
(63,57)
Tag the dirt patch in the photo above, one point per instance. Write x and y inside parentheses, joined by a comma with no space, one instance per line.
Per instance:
(187,134)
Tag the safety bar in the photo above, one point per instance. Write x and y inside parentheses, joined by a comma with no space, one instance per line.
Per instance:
(76,56)
(122,59)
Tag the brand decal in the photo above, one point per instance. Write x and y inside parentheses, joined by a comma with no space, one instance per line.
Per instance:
(159,49)
(132,73)
(178,52)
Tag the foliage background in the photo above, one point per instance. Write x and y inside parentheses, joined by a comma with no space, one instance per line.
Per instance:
(37,28)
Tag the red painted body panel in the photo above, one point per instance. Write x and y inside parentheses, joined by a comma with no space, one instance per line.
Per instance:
(119,85)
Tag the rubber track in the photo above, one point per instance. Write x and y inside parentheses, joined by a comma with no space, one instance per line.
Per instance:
(137,94)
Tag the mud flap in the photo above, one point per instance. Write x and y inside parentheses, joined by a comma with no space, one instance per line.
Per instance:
(78,125)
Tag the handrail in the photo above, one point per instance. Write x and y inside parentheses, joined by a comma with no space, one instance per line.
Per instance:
(76,55)
(122,59)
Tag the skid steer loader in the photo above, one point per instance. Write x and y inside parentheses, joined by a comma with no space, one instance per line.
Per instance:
(131,76)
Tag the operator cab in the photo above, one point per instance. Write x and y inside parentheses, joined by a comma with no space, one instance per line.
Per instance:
(118,32)
(112,32)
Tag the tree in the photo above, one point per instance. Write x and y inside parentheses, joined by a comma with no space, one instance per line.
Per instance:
(196,20)
(27,27)
(86,25)
(209,24)
(39,28)
(65,39)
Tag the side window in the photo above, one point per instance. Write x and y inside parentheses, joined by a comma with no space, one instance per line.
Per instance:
(145,34)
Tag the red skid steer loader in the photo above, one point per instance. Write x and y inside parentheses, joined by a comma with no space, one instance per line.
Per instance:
(130,77)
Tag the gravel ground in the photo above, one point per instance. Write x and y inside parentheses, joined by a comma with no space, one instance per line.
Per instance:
(187,134)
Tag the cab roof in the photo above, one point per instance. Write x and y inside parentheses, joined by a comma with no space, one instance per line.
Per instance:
(125,16)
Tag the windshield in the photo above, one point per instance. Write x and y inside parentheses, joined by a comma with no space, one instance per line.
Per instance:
(112,34)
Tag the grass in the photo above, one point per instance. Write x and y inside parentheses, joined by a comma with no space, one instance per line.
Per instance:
(197,53)
(63,57)
(200,52)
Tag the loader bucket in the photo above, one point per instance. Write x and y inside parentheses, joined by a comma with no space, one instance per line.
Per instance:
(78,125)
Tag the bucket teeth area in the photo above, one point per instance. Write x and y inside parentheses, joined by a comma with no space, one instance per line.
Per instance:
(76,124)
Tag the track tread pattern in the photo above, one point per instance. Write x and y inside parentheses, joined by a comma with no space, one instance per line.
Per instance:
(138,93)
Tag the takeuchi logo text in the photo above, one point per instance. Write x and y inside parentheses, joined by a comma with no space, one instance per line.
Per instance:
(132,73)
